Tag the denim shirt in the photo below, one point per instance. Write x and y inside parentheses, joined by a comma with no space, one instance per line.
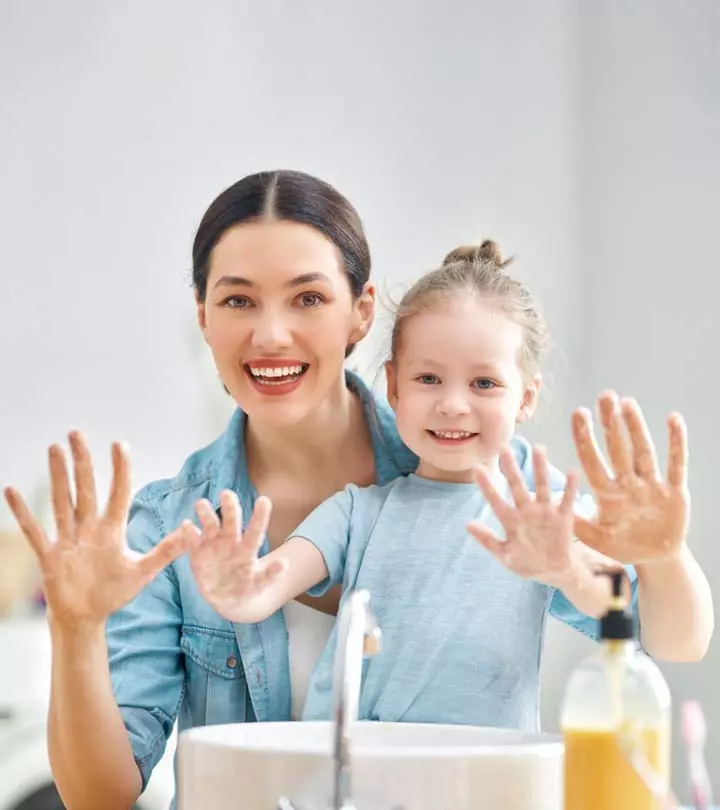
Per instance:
(171,655)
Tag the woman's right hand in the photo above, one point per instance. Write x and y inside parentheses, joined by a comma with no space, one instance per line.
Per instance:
(89,572)
(229,573)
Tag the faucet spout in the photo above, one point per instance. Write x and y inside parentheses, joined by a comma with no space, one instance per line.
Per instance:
(358,635)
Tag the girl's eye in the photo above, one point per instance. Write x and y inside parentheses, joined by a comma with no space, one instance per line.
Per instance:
(428,379)
(311,300)
(484,384)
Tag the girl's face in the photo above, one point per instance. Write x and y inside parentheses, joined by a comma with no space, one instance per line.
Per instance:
(456,387)
(278,316)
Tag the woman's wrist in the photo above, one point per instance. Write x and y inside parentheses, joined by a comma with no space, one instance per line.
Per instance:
(75,631)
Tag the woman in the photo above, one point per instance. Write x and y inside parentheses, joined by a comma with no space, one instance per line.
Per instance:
(281,275)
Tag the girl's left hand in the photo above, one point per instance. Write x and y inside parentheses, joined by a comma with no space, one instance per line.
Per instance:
(539,534)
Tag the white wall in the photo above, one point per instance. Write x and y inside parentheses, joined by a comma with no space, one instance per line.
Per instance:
(579,138)
(649,187)
(120,123)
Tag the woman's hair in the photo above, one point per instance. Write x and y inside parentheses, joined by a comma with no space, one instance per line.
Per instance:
(284,196)
(477,271)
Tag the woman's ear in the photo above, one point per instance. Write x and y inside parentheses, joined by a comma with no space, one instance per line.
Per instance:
(363,313)
(200,314)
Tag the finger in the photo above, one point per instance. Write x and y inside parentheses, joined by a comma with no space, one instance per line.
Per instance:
(229,532)
(29,526)
(541,475)
(572,486)
(616,440)
(498,504)
(510,470)
(489,541)
(643,449)
(678,456)
(86,501)
(61,498)
(193,535)
(589,454)
(209,521)
(231,515)
(119,499)
(588,532)
(254,535)
(164,553)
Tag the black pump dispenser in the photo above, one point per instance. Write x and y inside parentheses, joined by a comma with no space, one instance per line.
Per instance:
(618,624)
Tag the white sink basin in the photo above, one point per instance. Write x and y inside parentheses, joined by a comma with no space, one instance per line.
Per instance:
(396,766)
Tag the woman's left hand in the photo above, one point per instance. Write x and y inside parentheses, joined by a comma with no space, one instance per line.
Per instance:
(641,517)
(539,535)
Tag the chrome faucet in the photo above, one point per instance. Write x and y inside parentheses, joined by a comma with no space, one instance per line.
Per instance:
(358,635)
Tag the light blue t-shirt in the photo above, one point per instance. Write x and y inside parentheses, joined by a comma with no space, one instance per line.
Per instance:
(461,635)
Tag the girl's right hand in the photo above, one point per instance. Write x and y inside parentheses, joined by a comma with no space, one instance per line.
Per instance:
(89,572)
(225,560)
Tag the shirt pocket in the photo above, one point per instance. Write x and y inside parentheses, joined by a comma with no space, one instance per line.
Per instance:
(215,686)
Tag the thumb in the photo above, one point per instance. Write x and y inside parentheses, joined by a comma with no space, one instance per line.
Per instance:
(589,532)
(164,553)
(489,541)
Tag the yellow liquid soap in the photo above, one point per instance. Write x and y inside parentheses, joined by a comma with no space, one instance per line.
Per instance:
(598,776)
(616,721)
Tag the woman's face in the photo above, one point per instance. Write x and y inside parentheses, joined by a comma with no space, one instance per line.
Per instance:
(278,316)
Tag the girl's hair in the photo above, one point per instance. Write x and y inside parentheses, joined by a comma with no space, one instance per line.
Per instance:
(477,271)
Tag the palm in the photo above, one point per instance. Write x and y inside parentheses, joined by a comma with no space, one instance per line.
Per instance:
(636,523)
(538,531)
(224,559)
(640,517)
(538,539)
(89,572)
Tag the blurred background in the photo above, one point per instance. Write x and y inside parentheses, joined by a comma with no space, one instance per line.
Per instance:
(585,137)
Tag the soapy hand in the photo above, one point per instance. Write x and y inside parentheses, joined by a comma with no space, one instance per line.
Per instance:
(89,572)
(539,536)
(224,558)
(640,517)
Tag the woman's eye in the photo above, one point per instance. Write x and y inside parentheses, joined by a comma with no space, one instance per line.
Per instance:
(237,302)
(484,383)
(310,300)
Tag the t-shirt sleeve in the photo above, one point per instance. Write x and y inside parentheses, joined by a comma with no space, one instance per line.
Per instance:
(327,527)
(560,606)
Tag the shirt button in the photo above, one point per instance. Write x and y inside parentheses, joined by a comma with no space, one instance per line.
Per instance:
(231,663)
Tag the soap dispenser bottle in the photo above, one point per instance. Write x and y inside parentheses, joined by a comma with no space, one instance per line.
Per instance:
(616,721)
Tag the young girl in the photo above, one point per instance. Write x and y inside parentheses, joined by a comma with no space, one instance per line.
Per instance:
(462,617)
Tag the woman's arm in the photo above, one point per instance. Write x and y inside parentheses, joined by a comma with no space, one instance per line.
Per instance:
(89,573)
(90,754)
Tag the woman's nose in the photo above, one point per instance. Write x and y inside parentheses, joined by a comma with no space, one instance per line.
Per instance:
(271,333)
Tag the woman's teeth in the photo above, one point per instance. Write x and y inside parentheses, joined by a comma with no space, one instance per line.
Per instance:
(269,376)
